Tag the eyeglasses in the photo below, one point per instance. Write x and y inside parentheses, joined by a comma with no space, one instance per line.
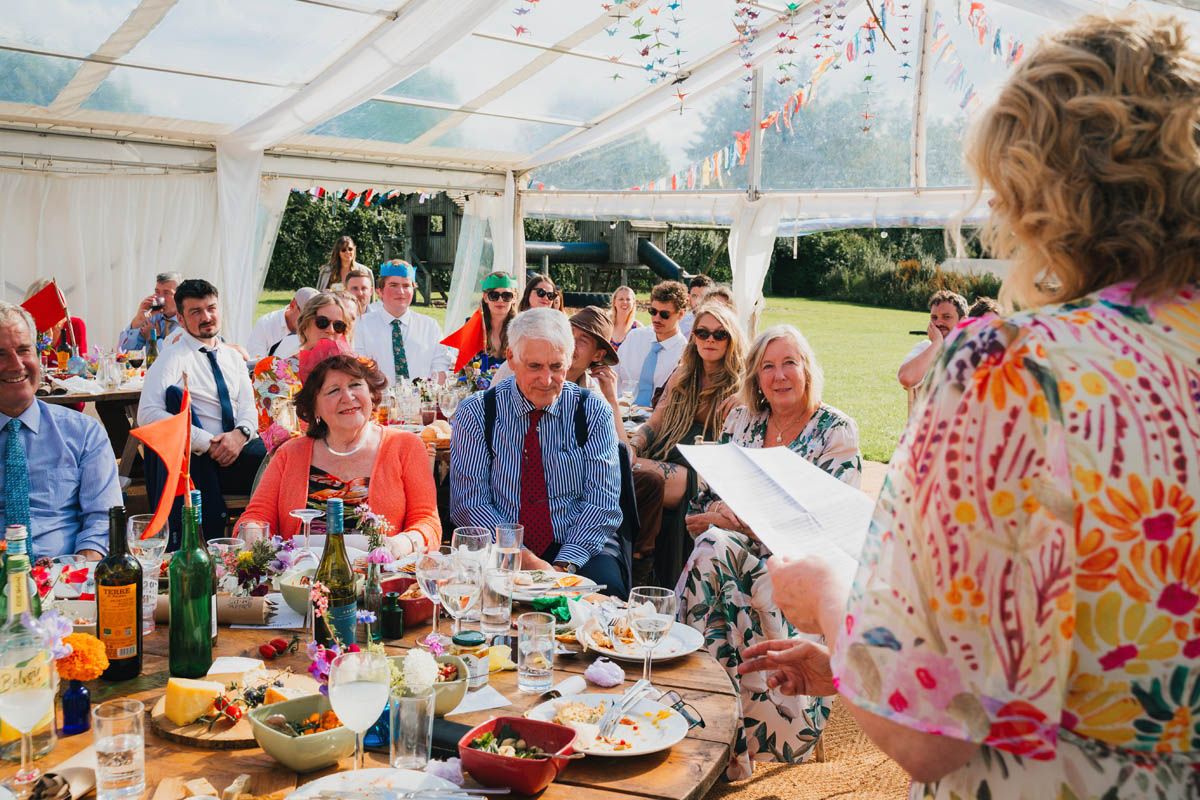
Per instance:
(720,334)
(339,326)
(544,294)
(496,296)
(659,312)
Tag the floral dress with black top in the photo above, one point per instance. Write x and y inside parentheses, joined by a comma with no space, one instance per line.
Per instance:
(726,594)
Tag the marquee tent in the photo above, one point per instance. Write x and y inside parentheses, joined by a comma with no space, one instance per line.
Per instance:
(143,135)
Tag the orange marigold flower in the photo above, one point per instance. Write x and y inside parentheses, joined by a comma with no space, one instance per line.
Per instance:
(87,659)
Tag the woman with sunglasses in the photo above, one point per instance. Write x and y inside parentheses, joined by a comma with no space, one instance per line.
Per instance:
(725,592)
(498,307)
(336,271)
(540,292)
(279,377)
(624,305)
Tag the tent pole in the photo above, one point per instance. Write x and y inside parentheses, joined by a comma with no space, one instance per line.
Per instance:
(754,178)
(919,178)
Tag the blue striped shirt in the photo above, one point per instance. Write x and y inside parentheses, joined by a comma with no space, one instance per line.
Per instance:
(584,484)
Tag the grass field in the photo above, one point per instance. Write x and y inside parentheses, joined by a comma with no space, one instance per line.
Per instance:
(859,348)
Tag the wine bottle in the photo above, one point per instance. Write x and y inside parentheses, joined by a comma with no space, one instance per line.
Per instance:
(212,560)
(119,603)
(152,348)
(192,590)
(339,622)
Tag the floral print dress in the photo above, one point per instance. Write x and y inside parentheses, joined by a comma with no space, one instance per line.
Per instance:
(1031,578)
(725,593)
(275,380)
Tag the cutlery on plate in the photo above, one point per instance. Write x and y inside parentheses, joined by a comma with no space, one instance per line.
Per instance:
(609,721)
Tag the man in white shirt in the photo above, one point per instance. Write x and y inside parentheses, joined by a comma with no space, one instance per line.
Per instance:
(403,342)
(698,287)
(360,283)
(226,450)
(946,310)
(650,355)
(274,326)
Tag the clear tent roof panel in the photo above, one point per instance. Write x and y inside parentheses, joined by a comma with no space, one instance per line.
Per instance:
(164,94)
(33,79)
(555,91)
(383,122)
(465,70)
(704,27)
(492,133)
(77,27)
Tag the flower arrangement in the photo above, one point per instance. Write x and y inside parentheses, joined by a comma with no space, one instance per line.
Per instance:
(474,377)
(86,661)
(250,573)
(51,628)
(416,673)
(376,528)
(43,341)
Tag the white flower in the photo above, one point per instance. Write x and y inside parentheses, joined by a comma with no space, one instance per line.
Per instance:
(420,670)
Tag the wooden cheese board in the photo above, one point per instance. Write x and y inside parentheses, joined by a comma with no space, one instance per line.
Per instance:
(222,735)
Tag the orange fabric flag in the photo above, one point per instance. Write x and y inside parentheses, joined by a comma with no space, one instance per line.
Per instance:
(469,339)
(47,308)
(171,439)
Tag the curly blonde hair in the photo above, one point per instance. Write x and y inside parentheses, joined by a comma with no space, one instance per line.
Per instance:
(1092,152)
(689,396)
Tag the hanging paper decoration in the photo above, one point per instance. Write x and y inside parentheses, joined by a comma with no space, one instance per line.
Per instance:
(745,22)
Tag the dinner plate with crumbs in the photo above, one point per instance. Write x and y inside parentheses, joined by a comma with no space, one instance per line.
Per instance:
(646,728)
(356,781)
(531,583)
(619,644)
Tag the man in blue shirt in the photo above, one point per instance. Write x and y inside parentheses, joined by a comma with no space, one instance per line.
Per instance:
(155,313)
(533,470)
(58,476)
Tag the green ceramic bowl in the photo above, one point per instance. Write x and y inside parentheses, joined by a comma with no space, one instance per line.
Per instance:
(301,753)
(449,694)
(295,594)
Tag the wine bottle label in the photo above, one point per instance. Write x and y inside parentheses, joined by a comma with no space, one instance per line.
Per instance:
(32,675)
(343,622)
(213,633)
(117,620)
(18,595)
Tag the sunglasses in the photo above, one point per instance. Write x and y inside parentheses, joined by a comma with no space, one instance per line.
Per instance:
(660,313)
(347,249)
(339,326)
(542,293)
(496,296)
(720,334)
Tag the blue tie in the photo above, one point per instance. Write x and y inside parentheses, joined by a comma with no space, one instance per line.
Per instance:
(222,390)
(645,387)
(16,478)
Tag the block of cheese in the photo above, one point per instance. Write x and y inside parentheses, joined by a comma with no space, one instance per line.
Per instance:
(198,787)
(277,694)
(188,700)
(235,669)
(237,787)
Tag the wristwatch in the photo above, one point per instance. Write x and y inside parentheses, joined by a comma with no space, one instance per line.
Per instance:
(568,566)
(246,431)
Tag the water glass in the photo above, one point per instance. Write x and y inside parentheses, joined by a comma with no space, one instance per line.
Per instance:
(474,544)
(148,550)
(496,604)
(428,413)
(411,728)
(251,531)
(506,552)
(651,615)
(120,749)
(535,652)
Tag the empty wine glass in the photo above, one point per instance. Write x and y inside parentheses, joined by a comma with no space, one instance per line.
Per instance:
(650,616)
(433,569)
(358,691)
(460,594)
(306,516)
(448,400)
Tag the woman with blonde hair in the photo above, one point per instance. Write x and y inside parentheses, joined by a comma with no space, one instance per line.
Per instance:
(624,305)
(1024,622)
(724,592)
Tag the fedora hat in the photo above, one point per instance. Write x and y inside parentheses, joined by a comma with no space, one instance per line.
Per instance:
(595,320)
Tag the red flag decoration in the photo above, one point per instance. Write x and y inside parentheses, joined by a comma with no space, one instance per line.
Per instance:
(47,307)
(171,438)
(469,339)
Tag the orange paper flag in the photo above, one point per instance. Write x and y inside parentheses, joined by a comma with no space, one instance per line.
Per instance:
(171,438)
(469,339)
(47,308)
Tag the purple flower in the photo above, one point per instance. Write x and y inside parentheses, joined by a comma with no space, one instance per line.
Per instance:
(50,629)
(380,555)
(365,617)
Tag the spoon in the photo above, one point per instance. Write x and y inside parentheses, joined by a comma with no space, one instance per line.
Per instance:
(279,722)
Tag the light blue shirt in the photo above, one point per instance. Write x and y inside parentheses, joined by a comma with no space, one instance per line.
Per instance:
(72,479)
(132,339)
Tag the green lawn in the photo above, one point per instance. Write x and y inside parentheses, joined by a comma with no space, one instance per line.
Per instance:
(859,347)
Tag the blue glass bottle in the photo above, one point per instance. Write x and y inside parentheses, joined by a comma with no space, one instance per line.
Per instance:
(77,709)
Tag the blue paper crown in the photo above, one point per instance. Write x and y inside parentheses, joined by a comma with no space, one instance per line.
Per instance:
(398,269)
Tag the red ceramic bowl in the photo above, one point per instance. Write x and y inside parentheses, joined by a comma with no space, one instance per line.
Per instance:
(522,775)
(417,610)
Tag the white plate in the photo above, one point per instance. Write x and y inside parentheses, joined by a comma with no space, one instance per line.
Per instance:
(681,641)
(380,777)
(650,737)
(527,593)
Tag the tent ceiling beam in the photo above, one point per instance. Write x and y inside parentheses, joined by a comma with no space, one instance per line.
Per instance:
(925,36)
(410,101)
(547,58)
(554,48)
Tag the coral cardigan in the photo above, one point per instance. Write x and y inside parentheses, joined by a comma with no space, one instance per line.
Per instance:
(401,487)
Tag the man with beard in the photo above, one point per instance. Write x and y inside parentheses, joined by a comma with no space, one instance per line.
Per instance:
(226,451)
(58,476)
(946,310)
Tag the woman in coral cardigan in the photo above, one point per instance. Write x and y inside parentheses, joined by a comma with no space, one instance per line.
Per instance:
(346,454)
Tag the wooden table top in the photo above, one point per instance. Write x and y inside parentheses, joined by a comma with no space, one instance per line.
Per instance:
(684,772)
(119,395)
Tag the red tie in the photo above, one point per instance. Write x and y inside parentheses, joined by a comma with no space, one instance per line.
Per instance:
(535,503)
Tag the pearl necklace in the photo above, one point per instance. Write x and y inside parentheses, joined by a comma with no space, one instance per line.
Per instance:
(349,452)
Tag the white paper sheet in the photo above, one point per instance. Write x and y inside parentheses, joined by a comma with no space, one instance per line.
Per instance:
(794,507)
(481,700)
(281,616)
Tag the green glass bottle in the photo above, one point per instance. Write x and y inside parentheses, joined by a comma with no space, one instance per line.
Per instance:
(119,603)
(212,560)
(340,619)
(16,538)
(192,590)
(13,634)
(152,349)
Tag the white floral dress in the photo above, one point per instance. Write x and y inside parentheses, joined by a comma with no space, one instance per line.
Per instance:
(726,595)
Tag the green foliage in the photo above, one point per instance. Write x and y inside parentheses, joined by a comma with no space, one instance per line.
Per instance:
(310,227)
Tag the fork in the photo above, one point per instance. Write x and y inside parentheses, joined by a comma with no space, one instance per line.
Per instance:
(608,722)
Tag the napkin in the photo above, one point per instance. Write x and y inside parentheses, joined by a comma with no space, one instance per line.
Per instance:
(553,605)
(481,700)
(244,610)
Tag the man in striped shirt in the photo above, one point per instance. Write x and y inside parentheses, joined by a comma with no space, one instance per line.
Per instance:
(536,466)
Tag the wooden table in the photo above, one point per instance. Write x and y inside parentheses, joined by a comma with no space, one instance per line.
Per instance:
(684,772)
(118,411)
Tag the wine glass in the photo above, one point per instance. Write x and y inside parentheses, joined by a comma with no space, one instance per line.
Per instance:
(134,358)
(26,701)
(306,516)
(358,691)
(650,616)
(433,569)
(448,400)
(460,594)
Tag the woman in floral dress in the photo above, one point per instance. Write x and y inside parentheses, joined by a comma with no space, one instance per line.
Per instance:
(1025,622)
(724,590)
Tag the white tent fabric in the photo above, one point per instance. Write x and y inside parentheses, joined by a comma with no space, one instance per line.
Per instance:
(469,263)
(751,240)
(104,238)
